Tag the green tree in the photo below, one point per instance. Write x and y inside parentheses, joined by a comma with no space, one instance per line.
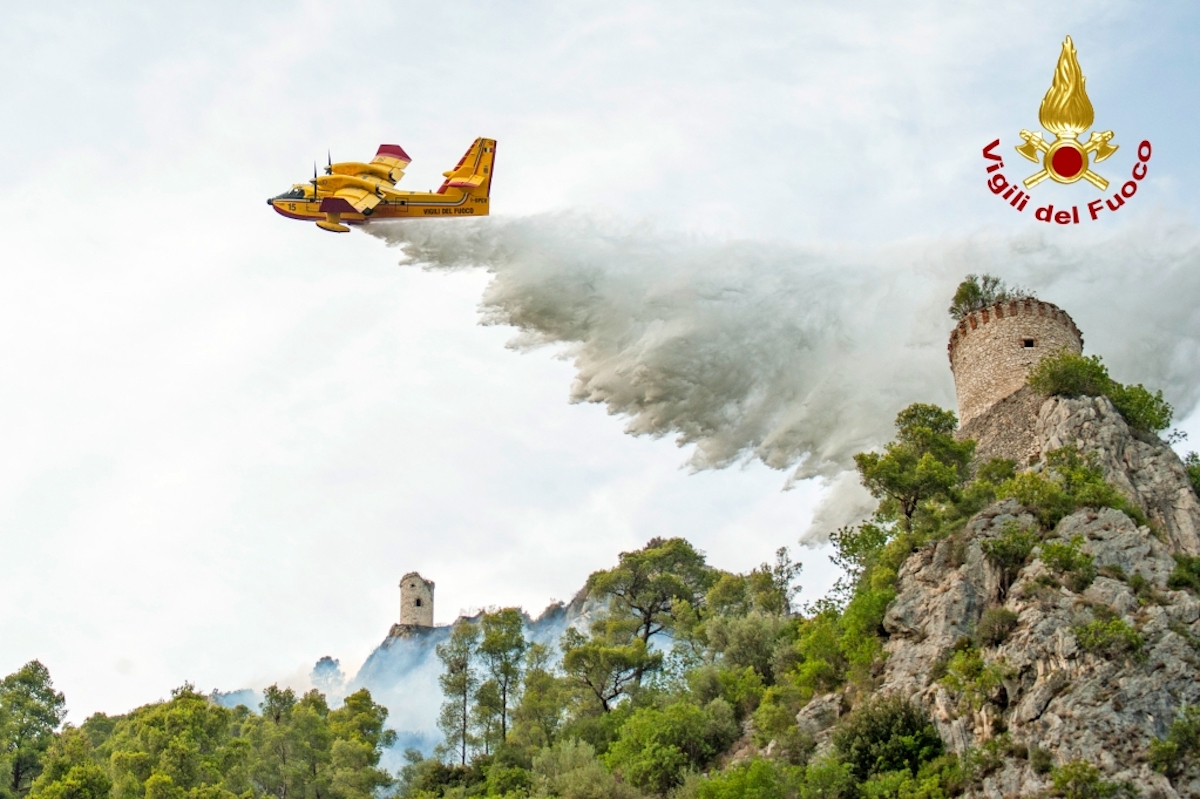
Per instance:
(772,587)
(191,748)
(70,770)
(924,463)
(30,711)
(276,768)
(502,649)
(358,740)
(459,681)
(169,749)
(647,582)
(485,716)
(538,716)
(605,666)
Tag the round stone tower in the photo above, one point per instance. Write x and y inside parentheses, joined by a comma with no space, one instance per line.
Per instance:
(416,601)
(992,350)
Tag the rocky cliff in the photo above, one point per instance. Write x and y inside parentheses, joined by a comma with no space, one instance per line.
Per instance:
(1067,669)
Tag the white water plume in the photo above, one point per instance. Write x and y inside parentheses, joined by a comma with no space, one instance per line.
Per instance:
(798,356)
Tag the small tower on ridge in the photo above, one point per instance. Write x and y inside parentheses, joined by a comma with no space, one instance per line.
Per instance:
(416,601)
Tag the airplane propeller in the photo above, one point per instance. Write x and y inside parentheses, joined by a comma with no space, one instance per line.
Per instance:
(329,163)
(314,180)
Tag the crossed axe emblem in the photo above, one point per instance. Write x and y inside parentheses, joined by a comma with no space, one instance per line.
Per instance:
(1065,160)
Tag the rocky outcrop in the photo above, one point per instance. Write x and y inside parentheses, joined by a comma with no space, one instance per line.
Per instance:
(1049,691)
(1146,469)
(1055,695)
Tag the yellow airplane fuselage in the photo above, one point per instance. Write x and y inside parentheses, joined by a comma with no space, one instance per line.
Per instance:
(411,204)
(354,192)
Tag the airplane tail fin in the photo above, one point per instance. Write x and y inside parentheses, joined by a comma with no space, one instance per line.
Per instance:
(474,171)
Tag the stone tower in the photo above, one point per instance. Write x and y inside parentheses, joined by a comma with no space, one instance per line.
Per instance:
(416,601)
(991,352)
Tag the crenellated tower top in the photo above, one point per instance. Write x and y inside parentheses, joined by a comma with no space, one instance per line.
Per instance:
(992,350)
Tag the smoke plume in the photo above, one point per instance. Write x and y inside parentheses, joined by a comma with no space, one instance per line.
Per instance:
(799,356)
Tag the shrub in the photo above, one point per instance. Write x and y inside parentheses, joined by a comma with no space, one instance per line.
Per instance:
(747,639)
(1111,638)
(996,471)
(761,779)
(741,688)
(1065,558)
(1010,551)
(1040,760)
(1141,409)
(504,780)
(1177,752)
(570,770)
(886,734)
(1080,780)
(1141,587)
(1069,375)
(1066,374)
(828,779)
(1071,480)
(1044,497)
(656,747)
(936,779)
(973,678)
(980,291)
(1192,464)
(994,626)
(1185,575)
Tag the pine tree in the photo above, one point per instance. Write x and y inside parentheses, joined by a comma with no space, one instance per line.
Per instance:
(459,682)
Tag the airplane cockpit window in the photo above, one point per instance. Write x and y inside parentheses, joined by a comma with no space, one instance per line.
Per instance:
(296,193)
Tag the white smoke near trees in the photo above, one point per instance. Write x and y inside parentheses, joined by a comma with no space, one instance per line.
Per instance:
(799,356)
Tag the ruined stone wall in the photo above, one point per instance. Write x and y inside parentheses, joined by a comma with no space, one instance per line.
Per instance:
(1007,430)
(992,350)
(416,601)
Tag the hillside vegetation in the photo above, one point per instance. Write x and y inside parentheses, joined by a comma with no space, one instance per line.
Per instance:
(699,683)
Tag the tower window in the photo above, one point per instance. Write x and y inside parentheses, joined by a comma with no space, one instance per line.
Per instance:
(418,603)
(1027,343)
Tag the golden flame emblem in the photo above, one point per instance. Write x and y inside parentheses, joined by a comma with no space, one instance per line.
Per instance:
(1066,112)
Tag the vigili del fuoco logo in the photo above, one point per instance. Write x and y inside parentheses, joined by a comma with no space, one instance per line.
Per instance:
(1067,113)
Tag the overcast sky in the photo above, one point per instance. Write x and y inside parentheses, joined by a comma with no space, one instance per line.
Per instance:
(227,435)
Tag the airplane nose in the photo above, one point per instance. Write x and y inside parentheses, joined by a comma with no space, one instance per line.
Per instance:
(269,201)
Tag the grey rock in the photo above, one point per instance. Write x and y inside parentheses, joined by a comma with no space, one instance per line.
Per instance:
(1146,469)
(1079,705)
(820,714)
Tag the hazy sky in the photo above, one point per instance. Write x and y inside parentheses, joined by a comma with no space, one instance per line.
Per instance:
(228,434)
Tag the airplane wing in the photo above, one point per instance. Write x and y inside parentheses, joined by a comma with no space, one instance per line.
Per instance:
(394,158)
(385,168)
(361,199)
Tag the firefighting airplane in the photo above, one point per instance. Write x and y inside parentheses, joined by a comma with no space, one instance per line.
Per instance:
(351,192)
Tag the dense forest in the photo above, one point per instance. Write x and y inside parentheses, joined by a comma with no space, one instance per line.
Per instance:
(688,685)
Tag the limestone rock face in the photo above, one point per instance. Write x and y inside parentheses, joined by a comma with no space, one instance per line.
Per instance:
(1143,467)
(1055,694)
